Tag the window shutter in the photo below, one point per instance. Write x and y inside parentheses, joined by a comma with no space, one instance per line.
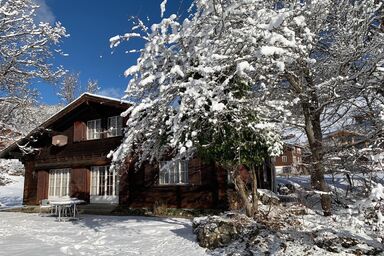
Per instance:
(148,175)
(42,184)
(194,172)
(79,131)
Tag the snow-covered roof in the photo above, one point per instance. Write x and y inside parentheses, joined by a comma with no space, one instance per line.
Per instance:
(101,97)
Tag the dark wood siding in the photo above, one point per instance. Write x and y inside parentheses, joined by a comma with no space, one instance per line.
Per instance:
(42,184)
(79,131)
(194,172)
(203,190)
(30,184)
(80,183)
(79,154)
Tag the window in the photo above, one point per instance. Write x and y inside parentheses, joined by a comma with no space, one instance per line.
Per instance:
(103,181)
(58,183)
(94,129)
(173,172)
(284,159)
(115,124)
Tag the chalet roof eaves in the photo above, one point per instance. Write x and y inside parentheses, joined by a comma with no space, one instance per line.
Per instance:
(85,97)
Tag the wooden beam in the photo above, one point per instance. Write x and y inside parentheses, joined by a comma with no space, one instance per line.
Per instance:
(55,164)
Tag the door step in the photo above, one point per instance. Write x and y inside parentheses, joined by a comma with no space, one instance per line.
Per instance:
(102,209)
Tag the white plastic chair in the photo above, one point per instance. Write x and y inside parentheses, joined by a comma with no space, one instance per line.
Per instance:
(44,204)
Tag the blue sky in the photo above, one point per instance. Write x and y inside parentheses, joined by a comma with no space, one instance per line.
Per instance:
(90,25)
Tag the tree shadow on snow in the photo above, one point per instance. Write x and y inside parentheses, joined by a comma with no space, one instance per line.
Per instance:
(136,224)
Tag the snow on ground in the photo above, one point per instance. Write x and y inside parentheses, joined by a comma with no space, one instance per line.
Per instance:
(287,233)
(357,227)
(30,234)
(297,227)
(11,195)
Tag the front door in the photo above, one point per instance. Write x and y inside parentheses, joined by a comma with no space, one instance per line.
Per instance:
(104,185)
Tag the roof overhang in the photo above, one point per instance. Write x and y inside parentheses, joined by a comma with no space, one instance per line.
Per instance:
(9,152)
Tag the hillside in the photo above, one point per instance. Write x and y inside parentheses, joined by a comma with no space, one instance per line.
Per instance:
(17,120)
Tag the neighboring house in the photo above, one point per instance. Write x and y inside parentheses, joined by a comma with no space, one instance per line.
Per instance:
(291,161)
(342,138)
(71,161)
(340,146)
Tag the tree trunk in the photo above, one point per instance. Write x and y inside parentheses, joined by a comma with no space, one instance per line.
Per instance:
(314,134)
(242,191)
(303,86)
(255,201)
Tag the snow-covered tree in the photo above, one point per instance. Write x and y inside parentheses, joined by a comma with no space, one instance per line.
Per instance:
(188,100)
(26,52)
(70,87)
(92,86)
(26,47)
(304,56)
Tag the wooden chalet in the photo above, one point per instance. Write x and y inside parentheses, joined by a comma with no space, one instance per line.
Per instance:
(291,160)
(67,157)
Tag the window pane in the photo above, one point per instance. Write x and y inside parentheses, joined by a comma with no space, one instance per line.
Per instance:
(94,174)
(98,129)
(104,181)
(59,182)
(119,123)
(114,126)
(173,172)
(90,129)
(109,191)
(101,181)
(51,183)
(94,129)
(64,184)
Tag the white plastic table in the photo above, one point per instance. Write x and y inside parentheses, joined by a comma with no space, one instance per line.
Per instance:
(62,204)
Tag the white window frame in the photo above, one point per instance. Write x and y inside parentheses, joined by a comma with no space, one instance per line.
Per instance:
(58,185)
(174,172)
(114,126)
(95,181)
(94,129)
(284,159)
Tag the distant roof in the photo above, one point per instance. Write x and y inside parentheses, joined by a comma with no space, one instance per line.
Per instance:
(341,133)
(85,97)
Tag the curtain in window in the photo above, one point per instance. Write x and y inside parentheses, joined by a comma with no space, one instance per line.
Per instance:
(58,183)
(173,172)
(103,181)
(94,129)
(115,125)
